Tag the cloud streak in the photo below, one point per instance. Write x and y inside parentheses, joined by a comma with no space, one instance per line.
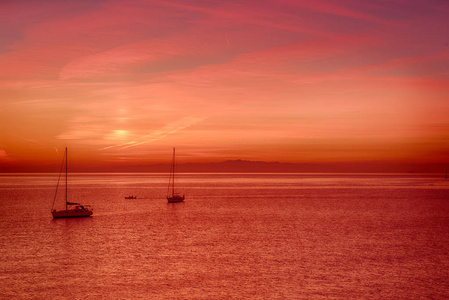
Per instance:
(168,129)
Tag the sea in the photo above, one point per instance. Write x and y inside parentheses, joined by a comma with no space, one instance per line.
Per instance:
(236,236)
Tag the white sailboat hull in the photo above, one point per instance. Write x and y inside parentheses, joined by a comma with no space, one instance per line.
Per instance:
(175,198)
(72,213)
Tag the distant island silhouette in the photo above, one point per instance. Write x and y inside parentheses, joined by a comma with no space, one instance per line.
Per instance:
(240,166)
(249,166)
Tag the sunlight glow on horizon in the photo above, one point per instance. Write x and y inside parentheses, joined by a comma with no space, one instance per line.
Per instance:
(288,81)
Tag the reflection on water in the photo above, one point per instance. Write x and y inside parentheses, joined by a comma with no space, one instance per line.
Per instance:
(236,236)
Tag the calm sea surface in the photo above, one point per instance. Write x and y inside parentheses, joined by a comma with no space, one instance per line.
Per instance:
(262,236)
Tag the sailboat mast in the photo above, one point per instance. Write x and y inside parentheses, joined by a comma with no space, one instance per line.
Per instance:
(66,178)
(173,181)
(57,185)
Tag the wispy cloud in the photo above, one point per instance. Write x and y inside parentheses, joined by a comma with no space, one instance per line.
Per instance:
(168,129)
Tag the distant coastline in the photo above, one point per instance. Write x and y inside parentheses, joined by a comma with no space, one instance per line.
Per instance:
(247,166)
(243,166)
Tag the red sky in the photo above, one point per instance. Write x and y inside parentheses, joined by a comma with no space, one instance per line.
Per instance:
(122,82)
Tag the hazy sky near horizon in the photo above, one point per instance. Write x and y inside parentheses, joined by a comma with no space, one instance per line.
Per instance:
(122,82)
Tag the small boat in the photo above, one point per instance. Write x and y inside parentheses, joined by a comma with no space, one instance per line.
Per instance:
(72,209)
(131,197)
(173,197)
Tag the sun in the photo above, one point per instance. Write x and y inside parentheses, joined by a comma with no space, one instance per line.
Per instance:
(118,135)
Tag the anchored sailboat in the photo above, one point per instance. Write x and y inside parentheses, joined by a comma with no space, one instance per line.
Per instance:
(72,210)
(173,197)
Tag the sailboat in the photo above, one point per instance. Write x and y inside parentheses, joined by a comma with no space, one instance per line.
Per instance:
(72,209)
(173,197)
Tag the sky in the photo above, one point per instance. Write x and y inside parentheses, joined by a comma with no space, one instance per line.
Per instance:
(120,83)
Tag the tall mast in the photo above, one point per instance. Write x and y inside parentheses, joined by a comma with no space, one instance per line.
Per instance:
(66,178)
(173,181)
